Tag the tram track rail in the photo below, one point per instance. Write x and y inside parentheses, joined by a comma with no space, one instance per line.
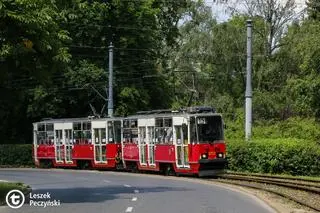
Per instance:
(275,177)
(267,183)
(285,183)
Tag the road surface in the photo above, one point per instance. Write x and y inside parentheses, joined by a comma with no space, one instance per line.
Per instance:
(114,192)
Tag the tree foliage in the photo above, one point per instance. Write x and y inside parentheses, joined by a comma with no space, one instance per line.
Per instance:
(313,9)
(285,81)
(54,59)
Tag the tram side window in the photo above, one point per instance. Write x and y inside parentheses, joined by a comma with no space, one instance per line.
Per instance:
(114,131)
(41,128)
(134,135)
(151,134)
(164,131)
(185,133)
(168,122)
(193,130)
(158,135)
(82,132)
(130,136)
(77,132)
(50,137)
(86,130)
(41,134)
(143,134)
(178,135)
(182,134)
(49,127)
(126,131)
(169,136)
(130,131)
(117,131)
(110,132)
(45,134)
(159,122)
(126,135)
(49,134)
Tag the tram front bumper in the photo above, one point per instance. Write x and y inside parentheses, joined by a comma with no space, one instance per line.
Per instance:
(209,167)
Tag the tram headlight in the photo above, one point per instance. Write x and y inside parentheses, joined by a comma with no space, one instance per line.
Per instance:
(204,156)
(220,155)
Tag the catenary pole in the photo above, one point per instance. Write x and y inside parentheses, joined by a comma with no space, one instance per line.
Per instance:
(248,94)
(110,95)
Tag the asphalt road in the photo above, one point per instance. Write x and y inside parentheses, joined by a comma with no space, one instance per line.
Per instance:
(112,192)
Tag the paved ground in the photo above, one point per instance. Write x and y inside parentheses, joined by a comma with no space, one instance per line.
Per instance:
(112,192)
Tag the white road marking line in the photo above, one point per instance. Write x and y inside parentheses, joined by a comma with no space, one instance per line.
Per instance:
(129,209)
(134,199)
(97,193)
(4,181)
(126,185)
(106,181)
(136,191)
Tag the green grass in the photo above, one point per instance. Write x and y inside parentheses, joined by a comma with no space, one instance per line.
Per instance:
(5,187)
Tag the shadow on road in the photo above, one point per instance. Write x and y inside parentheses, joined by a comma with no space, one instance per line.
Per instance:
(98,194)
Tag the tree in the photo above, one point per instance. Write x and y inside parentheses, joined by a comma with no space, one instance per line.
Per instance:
(303,86)
(210,60)
(277,15)
(313,9)
(138,31)
(32,51)
(53,57)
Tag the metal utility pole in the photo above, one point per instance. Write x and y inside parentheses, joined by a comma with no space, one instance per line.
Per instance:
(248,94)
(110,96)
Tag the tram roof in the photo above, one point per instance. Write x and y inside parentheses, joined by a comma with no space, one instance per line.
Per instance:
(70,120)
(190,111)
(194,111)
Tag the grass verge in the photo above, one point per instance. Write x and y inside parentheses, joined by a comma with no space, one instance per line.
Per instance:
(5,187)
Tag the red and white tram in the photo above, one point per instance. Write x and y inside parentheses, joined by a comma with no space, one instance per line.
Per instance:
(188,141)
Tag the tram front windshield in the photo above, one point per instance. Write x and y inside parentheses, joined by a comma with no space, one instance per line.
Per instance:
(209,128)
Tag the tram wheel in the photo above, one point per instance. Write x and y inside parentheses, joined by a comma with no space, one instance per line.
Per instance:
(84,165)
(46,164)
(135,168)
(169,171)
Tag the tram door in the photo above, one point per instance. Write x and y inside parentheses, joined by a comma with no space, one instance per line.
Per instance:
(68,145)
(142,145)
(59,149)
(100,146)
(151,145)
(182,148)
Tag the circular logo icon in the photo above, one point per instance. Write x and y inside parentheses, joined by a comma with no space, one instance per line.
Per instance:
(15,199)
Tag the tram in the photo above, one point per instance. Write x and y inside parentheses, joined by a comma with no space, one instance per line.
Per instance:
(187,141)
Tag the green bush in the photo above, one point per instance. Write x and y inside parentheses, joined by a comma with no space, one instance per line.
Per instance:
(16,155)
(275,156)
(299,128)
